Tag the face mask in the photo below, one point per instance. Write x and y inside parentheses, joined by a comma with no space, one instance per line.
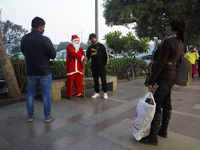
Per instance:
(42,32)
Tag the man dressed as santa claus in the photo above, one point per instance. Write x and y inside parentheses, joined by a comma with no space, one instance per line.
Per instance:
(75,63)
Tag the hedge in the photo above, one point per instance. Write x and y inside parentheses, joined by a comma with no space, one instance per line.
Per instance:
(116,67)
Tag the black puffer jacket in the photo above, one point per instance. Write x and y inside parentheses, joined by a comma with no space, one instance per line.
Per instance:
(37,50)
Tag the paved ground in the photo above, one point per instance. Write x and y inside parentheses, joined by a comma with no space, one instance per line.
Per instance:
(100,124)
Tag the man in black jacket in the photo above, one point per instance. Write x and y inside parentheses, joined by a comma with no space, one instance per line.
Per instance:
(99,55)
(38,50)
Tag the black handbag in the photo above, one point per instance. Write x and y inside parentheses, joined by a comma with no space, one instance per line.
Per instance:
(183,72)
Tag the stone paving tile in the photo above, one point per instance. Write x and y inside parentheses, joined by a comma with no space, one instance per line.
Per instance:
(79,142)
(77,126)
(185,125)
(79,121)
(125,138)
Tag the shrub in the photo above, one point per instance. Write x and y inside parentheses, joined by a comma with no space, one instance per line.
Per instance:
(58,68)
(20,73)
(88,71)
(142,64)
(117,67)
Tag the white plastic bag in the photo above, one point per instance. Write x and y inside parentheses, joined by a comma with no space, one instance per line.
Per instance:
(144,115)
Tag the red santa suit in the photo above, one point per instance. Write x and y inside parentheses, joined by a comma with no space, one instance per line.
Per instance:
(74,68)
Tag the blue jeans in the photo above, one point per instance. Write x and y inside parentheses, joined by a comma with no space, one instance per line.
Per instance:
(45,84)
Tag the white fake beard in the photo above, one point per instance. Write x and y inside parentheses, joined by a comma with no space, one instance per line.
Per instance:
(76,46)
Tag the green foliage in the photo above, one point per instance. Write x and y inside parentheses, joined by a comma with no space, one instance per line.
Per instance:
(88,42)
(88,71)
(20,73)
(84,46)
(58,69)
(141,45)
(12,33)
(141,63)
(127,43)
(151,16)
(113,40)
(116,67)
(62,45)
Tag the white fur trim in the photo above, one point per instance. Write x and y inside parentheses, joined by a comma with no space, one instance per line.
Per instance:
(73,73)
(76,70)
(75,39)
(82,58)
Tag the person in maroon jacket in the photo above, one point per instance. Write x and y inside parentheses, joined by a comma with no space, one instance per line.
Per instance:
(163,74)
(74,66)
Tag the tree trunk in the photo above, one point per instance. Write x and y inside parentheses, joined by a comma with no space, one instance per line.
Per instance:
(8,72)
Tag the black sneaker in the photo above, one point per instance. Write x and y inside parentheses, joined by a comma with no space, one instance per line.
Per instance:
(66,97)
(49,119)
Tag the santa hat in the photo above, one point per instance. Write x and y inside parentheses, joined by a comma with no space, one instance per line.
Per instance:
(74,37)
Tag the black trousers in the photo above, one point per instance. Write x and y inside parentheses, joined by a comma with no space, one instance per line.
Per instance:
(99,71)
(162,95)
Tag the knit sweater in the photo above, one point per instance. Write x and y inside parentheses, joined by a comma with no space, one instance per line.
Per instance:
(38,50)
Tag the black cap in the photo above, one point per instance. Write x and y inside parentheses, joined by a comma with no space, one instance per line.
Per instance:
(37,22)
(92,35)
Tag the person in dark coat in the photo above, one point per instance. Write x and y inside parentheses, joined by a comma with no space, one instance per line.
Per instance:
(163,74)
(99,55)
(38,50)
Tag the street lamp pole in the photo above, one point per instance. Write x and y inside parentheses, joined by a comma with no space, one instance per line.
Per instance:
(96,20)
(82,36)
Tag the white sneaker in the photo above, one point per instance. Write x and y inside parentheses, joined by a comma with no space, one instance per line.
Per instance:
(105,96)
(96,95)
